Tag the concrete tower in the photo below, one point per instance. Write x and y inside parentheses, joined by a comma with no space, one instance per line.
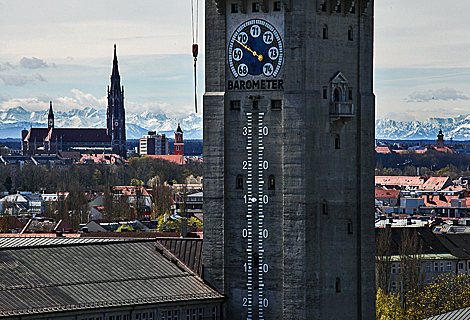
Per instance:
(115,114)
(289,158)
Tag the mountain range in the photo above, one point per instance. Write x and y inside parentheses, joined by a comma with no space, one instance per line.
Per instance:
(457,128)
(14,120)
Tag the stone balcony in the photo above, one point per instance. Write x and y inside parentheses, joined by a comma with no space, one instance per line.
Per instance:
(341,111)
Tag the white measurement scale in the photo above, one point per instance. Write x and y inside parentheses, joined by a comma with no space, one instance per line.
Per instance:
(255,233)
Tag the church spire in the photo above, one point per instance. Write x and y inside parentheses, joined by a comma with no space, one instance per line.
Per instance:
(50,117)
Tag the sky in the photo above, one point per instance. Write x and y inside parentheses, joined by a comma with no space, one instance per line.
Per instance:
(62,51)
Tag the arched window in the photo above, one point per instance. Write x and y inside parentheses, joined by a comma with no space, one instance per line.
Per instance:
(272,183)
(336,95)
(324,207)
(350,34)
(325,32)
(239,183)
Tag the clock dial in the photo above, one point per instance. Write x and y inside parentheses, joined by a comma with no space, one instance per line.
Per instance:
(256,49)
(116,124)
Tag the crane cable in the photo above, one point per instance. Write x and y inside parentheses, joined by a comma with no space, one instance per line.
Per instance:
(195,32)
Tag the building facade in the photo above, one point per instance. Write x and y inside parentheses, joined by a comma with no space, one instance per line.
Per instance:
(153,144)
(111,140)
(289,158)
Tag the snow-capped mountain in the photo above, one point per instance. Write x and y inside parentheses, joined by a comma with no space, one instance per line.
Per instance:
(14,120)
(456,128)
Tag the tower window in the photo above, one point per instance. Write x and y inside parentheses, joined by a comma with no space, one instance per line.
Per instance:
(350,227)
(338,7)
(353,9)
(336,95)
(324,207)
(255,104)
(272,183)
(234,7)
(325,32)
(338,285)
(325,93)
(235,105)
(239,182)
(276,104)
(277,6)
(350,94)
(350,34)
(255,7)
(337,142)
(323,7)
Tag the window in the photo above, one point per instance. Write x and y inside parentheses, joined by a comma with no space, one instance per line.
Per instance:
(338,7)
(350,34)
(234,7)
(255,104)
(194,314)
(271,183)
(338,285)
(276,104)
(214,313)
(461,265)
(449,266)
(178,148)
(394,286)
(325,93)
(350,94)
(323,7)
(336,95)
(350,227)
(394,268)
(235,105)
(239,182)
(337,142)
(137,316)
(277,6)
(442,266)
(436,266)
(255,7)
(353,9)
(325,32)
(428,266)
(324,207)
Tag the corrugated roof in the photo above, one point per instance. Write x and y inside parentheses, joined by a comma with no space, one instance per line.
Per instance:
(461,314)
(64,275)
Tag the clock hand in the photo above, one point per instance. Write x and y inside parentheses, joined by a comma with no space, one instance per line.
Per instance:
(260,56)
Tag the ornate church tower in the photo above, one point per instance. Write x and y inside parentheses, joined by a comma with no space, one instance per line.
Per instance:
(50,117)
(289,158)
(115,114)
(179,144)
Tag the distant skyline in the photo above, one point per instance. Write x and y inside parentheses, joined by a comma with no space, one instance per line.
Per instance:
(62,51)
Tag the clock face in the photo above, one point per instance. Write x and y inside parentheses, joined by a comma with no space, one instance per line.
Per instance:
(255,49)
(116,124)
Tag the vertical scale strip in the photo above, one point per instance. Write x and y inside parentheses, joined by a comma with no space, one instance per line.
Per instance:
(261,201)
(249,215)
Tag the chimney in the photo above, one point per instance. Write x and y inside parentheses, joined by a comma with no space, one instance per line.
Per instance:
(184,228)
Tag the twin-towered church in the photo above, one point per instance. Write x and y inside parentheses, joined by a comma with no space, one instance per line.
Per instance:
(112,139)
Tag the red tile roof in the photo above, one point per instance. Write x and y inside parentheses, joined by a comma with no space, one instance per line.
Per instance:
(130,190)
(410,181)
(382,150)
(384,193)
(178,159)
(436,183)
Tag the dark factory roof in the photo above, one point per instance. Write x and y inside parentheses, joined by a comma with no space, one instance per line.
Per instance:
(40,275)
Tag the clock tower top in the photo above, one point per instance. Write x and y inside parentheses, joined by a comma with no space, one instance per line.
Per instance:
(289,235)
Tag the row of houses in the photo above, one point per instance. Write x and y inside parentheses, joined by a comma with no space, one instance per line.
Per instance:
(420,195)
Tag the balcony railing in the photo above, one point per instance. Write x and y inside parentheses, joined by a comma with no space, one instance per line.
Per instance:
(341,111)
